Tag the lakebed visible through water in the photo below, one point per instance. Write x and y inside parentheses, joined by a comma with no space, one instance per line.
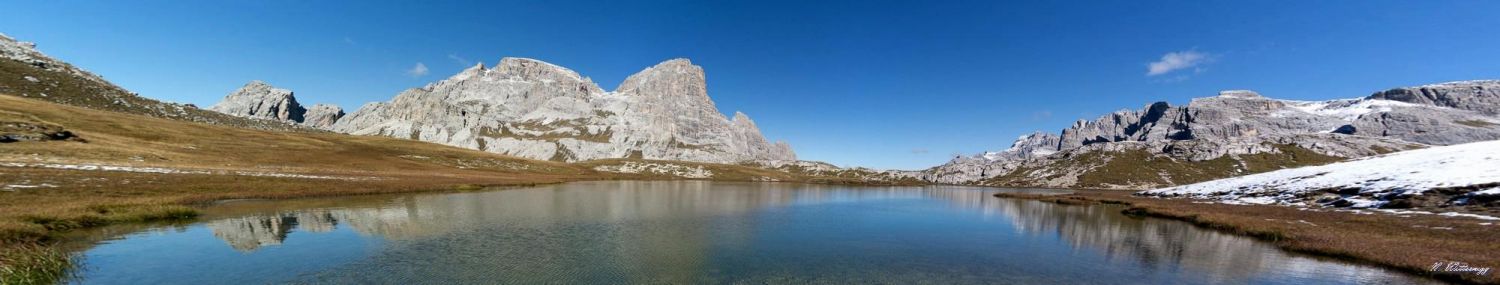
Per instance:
(691,232)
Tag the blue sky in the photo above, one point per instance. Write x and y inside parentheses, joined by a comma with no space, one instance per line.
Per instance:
(882,84)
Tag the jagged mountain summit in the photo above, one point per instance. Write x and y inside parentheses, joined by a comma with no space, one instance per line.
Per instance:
(260,100)
(1231,134)
(533,109)
(529,108)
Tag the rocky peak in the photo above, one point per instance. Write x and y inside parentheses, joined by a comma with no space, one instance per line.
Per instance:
(675,72)
(1032,145)
(258,99)
(1119,126)
(533,109)
(471,72)
(534,70)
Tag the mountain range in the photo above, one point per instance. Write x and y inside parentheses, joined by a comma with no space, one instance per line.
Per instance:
(533,109)
(1235,133)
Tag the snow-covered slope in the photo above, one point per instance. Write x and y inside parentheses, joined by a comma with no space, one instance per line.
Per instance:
(1458,174)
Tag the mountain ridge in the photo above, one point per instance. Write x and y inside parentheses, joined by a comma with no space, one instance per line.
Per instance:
(1242,123)
(534,109)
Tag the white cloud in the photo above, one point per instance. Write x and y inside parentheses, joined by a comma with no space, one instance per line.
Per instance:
(460,60)
(417,71)
(1173,61)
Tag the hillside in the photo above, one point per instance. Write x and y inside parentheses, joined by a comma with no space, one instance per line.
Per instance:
(28,73)
(1465,176)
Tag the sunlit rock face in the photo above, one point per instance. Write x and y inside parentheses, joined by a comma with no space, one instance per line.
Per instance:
(260,100)
(1477,95)
(533,109)
(322,116)
(1241,122)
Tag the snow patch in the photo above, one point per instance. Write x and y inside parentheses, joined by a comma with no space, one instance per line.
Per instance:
(1365,182)
(1347,110)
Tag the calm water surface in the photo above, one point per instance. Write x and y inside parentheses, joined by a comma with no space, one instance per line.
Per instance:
(692,232)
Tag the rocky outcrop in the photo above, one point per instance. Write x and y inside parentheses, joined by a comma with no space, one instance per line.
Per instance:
(260,100)
(1478,95)
(533,109)
(13,131)
(322,116)
(1237,124)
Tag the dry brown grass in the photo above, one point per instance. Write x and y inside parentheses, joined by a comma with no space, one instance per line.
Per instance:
(1410,243)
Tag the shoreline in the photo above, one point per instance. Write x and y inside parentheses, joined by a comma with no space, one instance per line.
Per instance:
(1360,238)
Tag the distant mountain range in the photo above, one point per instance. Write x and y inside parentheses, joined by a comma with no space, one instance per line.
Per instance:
(1235,133)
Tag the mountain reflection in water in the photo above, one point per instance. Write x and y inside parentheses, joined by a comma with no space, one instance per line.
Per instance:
(696,232)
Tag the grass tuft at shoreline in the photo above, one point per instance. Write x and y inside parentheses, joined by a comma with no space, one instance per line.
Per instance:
(33,264)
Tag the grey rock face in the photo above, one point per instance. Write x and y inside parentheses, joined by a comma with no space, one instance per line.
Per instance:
(260,100)
(1240,122)
(1036,144)
(322,116)
(1478,95)
(533,109)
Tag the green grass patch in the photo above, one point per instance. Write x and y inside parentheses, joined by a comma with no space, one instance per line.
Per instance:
(100,215)
(33,264)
